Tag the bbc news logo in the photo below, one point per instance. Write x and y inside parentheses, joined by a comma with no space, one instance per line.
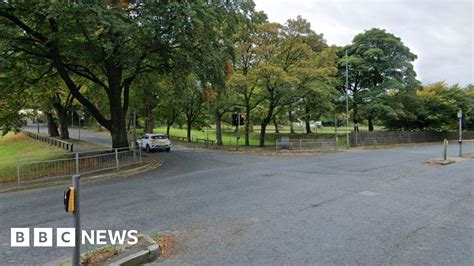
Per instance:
(65,237)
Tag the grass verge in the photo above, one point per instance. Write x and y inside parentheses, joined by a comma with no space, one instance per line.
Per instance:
(15,145)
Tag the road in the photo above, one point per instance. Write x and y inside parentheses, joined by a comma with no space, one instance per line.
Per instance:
(360,207)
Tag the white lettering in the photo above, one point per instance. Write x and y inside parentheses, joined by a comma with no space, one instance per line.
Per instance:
(132,237)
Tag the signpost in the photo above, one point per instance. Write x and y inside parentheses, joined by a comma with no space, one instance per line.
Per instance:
(71,204)
(460,132)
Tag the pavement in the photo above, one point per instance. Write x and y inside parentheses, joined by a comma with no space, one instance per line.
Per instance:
(361,207)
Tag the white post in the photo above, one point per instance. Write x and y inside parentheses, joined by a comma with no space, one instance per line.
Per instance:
(117,159)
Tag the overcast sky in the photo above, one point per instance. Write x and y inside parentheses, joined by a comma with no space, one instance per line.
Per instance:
(440,32)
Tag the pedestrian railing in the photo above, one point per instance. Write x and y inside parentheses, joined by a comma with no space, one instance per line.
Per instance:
(33,170)
(51,141)
(195,140)
(305,144)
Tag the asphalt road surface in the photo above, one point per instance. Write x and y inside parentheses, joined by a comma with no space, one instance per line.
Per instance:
(364,207)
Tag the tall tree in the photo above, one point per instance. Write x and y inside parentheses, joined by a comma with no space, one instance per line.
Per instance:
(112,44)
(243,81)
(378,62)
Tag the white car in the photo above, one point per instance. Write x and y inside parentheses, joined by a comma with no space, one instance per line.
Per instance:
(151,142)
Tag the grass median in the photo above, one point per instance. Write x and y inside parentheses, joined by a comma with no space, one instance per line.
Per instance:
(229,136)
(18,145)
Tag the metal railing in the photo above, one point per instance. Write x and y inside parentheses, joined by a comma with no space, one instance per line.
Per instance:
(195,140)
(33,170)
(379,141)
(306,144)
(51,141)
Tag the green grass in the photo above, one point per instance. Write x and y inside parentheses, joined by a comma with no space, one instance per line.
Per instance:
(15,145)
(229,134)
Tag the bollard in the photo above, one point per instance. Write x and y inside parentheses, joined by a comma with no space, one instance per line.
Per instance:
(445,149)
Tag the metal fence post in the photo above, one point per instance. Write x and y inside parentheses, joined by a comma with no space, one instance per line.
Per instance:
(117,159)
(77,222)
(77,163)
(300,144)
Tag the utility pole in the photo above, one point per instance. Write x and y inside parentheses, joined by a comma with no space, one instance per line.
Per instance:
(347,103)
(135,127)
(460,132)
(79,124)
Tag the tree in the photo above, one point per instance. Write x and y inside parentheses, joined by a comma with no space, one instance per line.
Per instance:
(111,45)
(191,101)
(431,108)
(295,65)
(378,62)
(243,81)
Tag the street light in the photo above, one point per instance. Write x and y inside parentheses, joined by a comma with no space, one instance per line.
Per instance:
(347,103)
(460,132)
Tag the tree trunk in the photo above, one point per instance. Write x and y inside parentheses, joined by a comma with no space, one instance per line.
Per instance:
(354,115)
(247,122)
(149,120)
(290,116)
(61,112)
(168,126)
(371,126)
(307,120)
(52,127)
(308,126)
(118,127)
(275,123)
(263,129)
(119,136)
(218,116)
(189,125)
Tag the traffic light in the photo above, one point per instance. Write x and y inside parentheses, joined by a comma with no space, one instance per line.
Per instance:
(69,196)
(235,119)
(238,119)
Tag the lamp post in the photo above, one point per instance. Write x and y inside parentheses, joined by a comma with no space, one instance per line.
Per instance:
(347,103)
(460,132)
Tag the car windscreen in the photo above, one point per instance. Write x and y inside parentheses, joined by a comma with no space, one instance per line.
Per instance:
(158,137)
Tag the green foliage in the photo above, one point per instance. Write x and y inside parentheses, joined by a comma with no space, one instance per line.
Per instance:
(379,63)
(432,108)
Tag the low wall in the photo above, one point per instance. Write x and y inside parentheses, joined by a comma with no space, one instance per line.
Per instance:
(401,137)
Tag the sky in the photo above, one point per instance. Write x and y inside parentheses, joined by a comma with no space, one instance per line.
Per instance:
(439,32)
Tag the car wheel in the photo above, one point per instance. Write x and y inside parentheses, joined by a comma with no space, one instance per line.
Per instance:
(148,148)
(168,149)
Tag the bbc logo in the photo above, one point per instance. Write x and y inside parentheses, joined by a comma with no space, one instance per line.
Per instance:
(42,237)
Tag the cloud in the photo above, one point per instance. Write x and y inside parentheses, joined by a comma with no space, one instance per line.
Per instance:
(439,32)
